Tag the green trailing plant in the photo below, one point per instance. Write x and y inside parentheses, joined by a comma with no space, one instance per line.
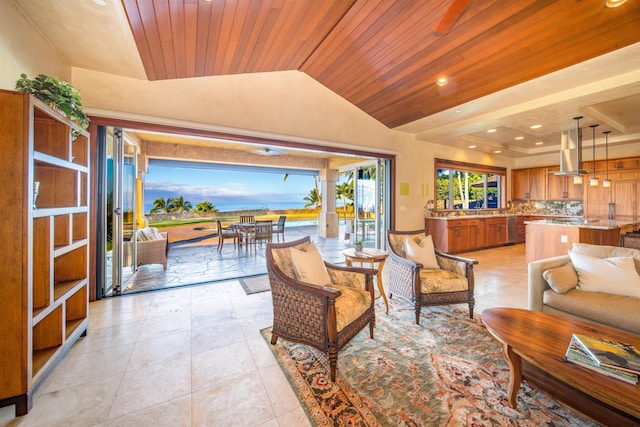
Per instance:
(53,90)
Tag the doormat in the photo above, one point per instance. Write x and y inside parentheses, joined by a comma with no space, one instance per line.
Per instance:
(255,284)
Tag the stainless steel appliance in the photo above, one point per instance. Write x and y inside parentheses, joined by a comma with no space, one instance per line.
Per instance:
(512,229)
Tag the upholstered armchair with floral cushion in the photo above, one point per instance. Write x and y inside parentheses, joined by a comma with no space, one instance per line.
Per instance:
(315,302)
(152,247)
(425,276)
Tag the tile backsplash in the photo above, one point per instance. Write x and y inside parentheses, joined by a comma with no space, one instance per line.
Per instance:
(548,207)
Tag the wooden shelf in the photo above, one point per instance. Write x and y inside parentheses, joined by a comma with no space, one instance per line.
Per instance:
(45,303)
(46,160)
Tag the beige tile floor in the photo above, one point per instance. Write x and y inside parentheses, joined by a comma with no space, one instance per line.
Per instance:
(194,356)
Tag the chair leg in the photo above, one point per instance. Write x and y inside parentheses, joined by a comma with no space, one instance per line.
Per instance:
(417,314)
(333,362)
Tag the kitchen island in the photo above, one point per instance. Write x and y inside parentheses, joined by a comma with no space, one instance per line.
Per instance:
(554,237)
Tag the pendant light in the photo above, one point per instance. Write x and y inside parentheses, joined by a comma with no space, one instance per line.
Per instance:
(606,182)
(593,182)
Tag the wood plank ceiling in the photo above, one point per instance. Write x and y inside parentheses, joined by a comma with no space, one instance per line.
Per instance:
(383,56)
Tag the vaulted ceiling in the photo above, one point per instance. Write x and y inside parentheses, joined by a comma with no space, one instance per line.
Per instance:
(509,64)
(383,56)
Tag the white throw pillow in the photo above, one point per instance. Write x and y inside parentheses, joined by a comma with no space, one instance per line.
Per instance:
(150,233)
(422,252)
(616,275)
(309,267)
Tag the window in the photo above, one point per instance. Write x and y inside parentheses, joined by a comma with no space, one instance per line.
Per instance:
(468,186)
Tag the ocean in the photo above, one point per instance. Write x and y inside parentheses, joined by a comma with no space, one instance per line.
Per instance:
(229,207)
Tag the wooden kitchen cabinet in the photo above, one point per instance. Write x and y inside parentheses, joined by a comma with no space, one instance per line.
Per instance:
(560,187)
(626,196)
(496,231)
(477,233)
(528,184)
(458,235)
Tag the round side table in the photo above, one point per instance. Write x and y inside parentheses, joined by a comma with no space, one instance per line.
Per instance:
(369,256)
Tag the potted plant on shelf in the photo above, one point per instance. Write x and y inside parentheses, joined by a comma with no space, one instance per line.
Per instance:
(57,93)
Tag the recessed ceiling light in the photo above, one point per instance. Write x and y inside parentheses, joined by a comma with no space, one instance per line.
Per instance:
(497,152)
(472,146)
(535,127)
(100,2)
(611,4)
(539,143)
(519,138)
(441,81)
(458,111)
(491,130)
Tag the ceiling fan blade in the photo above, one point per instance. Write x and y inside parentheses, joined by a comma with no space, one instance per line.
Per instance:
(451,15)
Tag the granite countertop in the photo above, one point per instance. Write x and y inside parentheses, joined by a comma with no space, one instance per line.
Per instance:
(504,215)
(599,224)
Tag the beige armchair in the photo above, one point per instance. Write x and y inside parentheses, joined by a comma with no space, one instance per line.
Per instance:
(324,316)
(451,281)
(152,248)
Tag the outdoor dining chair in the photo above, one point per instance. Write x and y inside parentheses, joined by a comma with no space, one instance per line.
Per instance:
(228,233)
(262,232)
(247,218)
(278,228)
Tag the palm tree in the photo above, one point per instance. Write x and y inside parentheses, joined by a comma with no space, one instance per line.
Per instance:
(159,206)
(178,204)
(313,198)
(344,192)
(205,206)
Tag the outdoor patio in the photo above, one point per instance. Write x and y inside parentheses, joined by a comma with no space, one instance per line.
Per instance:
(200,262)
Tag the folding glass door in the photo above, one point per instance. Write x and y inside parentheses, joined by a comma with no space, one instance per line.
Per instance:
(371,209)
(116,210)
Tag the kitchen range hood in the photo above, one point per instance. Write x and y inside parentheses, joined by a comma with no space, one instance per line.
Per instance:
(571,153)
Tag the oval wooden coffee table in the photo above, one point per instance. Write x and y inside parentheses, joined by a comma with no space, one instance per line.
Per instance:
(535,344)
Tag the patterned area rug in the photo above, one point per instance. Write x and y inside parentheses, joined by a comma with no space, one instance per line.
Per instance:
(447,371)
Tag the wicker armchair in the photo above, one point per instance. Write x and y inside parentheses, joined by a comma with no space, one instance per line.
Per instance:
(452,283)
(153,251)
(312,314)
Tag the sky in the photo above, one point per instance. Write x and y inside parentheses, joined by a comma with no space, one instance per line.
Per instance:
(224,188)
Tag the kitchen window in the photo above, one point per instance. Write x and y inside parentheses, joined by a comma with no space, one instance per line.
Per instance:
(462,186)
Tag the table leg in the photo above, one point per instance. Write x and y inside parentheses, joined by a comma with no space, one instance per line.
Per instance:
(515,377)
(380,287)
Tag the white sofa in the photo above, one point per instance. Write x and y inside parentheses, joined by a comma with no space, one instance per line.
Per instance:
(618,311)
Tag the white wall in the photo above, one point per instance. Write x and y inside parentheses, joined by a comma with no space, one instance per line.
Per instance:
(24,50)
(285,105)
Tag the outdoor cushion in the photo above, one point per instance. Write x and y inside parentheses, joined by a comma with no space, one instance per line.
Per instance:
(282,258)
(150,233)
(433,280)
(350,304)
(309,266)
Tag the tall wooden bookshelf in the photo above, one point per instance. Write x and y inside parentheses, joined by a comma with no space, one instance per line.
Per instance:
(44,265)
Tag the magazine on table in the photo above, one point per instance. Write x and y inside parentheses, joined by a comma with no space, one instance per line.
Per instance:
(606,352)
(577,355)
